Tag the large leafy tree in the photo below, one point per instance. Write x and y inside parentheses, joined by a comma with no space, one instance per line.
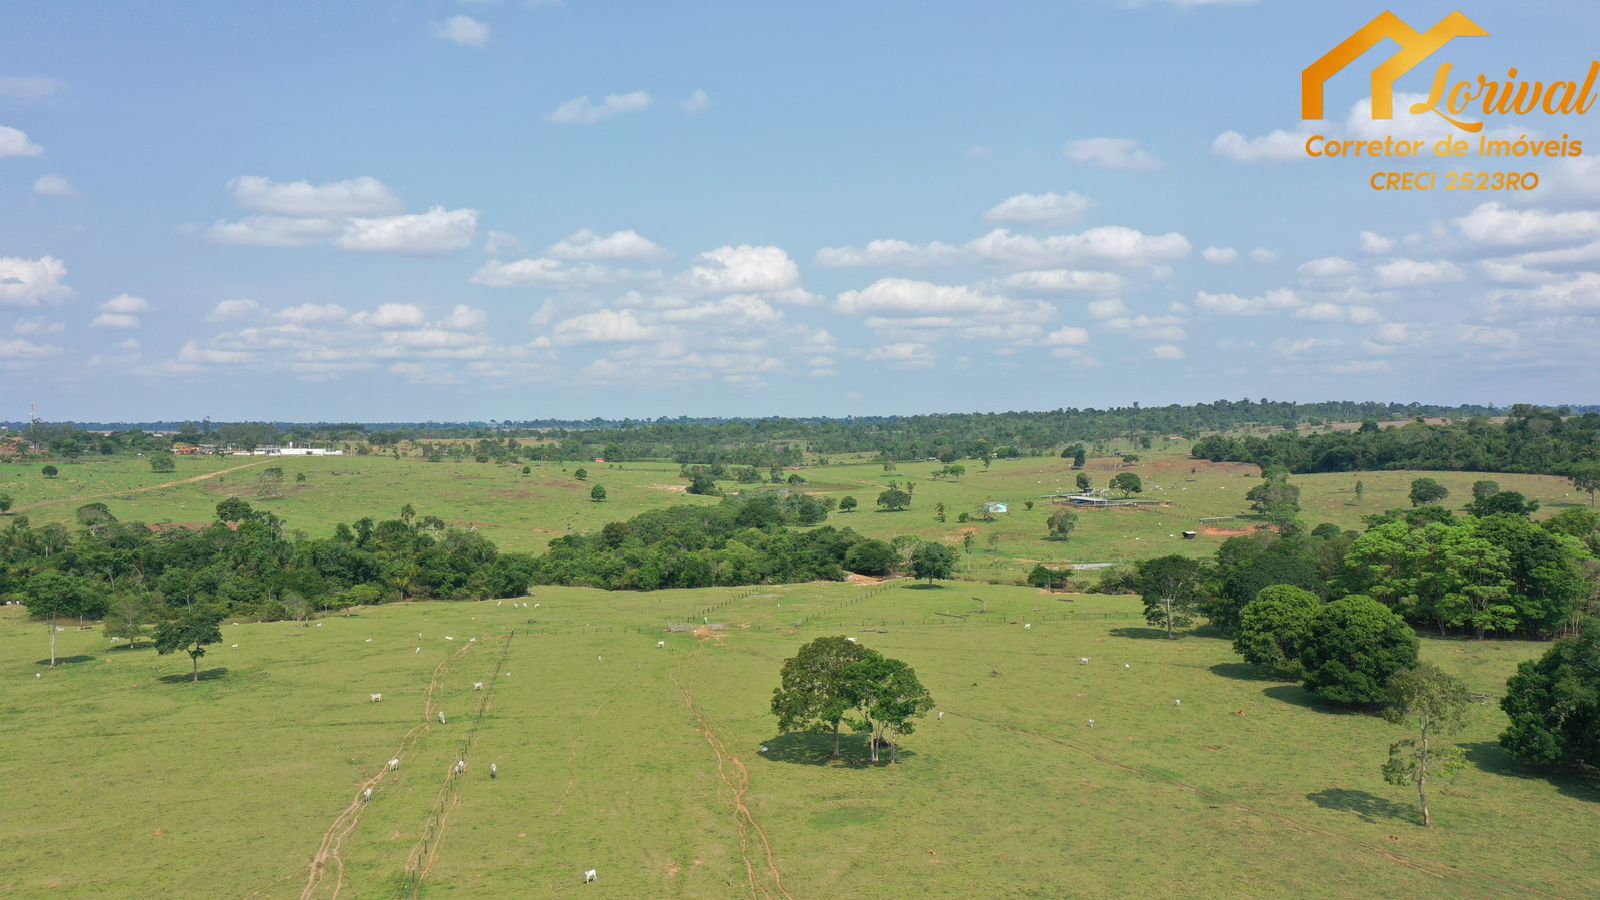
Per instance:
(129,615)
(1435,705)
(51,595)
(1171,587)
(887,698)
(1586,478)
(894,499)
(1060,524)
(1274,627)
(1355,646)
(1554,704)
(1127,482)
(870,557)
(190,631)
(1276,500)
(933,561)
(814,692)
(1426,490)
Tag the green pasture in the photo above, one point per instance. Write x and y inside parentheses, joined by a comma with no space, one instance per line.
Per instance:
(524,512)
(646,764)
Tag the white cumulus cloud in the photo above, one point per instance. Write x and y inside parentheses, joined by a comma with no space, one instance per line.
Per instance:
(438,230)
(14,142)
(1040,209)
(31,282)
(362,196)
(463,31)
(1111,153)
(583,111)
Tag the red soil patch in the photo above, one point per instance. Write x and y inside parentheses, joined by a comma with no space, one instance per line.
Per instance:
(853,578)
(1227,532)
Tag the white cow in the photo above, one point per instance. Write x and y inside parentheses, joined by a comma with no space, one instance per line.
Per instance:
(367,794)
(461,766)
(394,764)
(941,713)
(1083,660)
(448,638)
(1177,703)
(851,640)
(660,644)
(590,875)
(441,717)
(1028,627)
(1091,723)
(419,650)
(1126,666)
(477,685)
(376,698)
(234,647)
(494,771)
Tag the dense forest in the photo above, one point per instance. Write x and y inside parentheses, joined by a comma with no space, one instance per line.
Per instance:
(753,442)
(1532,440)
(246,563)
(1492,574)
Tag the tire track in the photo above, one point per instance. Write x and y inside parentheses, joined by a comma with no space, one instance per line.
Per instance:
(415,859)
(193,479)
(1438,870)
(347,819)
(734,774)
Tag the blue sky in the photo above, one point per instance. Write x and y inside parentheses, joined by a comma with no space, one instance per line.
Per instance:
(452,210)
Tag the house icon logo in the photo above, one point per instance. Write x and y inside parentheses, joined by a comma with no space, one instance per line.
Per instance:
(1414,48)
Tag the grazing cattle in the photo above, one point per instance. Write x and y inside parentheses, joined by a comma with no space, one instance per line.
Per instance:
(1240,713)
(369,640)
(441,717)
(1177,703)
(851,640)
(494,771)
(376,698)
(419,650)
(941,713)
(1083,660)
(477,685)
(367,794)
(394,764)
(38,674)
(1091,723)
(461,766)
(1028,627)
(234,647)
(497,603)
(660,644)
(599,659)
(591,875)
(1126,666)
(448,638)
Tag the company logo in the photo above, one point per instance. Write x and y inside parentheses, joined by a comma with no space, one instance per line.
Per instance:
(1449,101)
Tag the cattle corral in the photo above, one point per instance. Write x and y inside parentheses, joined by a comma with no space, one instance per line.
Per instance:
(647,766)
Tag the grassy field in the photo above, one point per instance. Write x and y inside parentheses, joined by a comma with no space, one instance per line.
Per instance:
(524,512)
(122,778)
